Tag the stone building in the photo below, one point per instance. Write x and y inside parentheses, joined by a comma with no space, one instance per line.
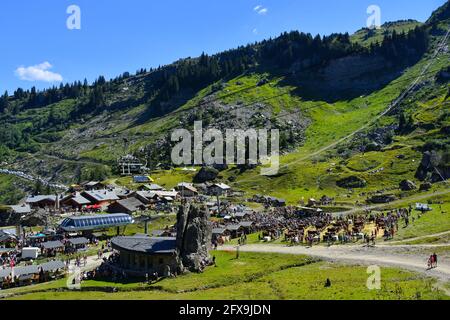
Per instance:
(189,251)
(141,254)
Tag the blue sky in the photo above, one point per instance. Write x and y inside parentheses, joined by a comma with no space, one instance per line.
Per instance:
(118,35)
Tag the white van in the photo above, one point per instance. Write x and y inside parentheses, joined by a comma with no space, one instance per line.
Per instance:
(30,253)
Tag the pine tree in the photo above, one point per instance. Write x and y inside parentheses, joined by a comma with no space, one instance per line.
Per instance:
(101,81)
(38,187)
(402,122)
(4,102)
(52,115)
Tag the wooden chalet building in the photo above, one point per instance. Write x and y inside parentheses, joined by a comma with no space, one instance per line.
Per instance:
(219,189)
(129,205)
(75,201)
(102,198)
(187,190)
(42,201)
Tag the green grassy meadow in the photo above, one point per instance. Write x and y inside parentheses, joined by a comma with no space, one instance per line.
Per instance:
(252,276)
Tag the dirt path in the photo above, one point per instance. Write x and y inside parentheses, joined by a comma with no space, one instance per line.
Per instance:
(395,203)
(404,241)
(394,256)
(92,262)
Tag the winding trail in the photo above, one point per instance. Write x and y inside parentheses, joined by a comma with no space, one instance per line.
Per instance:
(384,255)
(414,198)
(404,241)
(404,94)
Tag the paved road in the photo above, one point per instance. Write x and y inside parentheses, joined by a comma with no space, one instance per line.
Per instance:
(29,177)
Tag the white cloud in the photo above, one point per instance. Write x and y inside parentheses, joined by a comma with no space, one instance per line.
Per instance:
(38,72)
(259,9)
(263,11)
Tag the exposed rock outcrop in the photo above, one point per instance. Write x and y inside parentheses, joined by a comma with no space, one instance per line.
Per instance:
(206,174)
(407,185)
(11,218)
(435,166)
(221,167)
(36,218)
(193,238)
(425,186)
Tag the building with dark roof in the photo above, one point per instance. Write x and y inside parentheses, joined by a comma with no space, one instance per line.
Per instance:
(129,206)
(6,237)
(121,193)
(52,245)
(150,187)
(220,234)
(145,197)
(235,230)
(75,201)
(42,201)
(186,190)
(21,209)
(140,255)
(100,197)
(29,274)
(50,248)
(149,197)
(78,243)
(241,214)
(142,179)
(93,185)
(249,226)
(219,189)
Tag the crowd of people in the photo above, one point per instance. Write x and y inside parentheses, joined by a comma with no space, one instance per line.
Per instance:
(308,226)
(295,225)
(9,259)
(433,261)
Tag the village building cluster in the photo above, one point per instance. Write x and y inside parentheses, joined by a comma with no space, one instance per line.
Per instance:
(92,213)
(95,196)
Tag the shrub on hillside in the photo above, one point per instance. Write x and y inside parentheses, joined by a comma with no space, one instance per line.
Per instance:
(351,182)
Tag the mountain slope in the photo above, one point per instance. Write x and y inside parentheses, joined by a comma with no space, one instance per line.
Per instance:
(366,36)
(315,96)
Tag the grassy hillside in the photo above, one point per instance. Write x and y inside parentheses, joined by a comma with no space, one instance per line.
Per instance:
(367,36)
(79,135)
(11,189)
(305,174)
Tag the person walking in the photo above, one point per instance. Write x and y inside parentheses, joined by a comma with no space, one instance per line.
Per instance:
(435,260)
(430,262)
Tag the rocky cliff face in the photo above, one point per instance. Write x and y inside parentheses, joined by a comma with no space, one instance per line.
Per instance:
(435,166)
(10,218)
(193,238)
(206,174)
